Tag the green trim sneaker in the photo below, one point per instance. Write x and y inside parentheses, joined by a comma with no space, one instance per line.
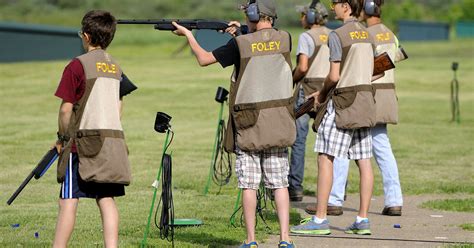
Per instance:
(308,226)
(361,228)
(252,244)
(285,244)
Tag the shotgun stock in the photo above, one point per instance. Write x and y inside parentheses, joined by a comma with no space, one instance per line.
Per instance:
(382,63)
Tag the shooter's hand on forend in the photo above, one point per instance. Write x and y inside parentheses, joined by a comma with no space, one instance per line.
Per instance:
(180,30)
(234,28)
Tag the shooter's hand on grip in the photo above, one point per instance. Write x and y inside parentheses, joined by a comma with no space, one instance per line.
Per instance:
(310,103)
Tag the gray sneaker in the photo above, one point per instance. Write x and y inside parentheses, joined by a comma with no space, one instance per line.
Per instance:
(308,226)
(361,228)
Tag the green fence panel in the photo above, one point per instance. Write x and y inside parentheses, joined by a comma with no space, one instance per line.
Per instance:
(26,42)
(415,30)
(465,29)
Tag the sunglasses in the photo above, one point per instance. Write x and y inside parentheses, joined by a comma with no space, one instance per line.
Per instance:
(80,34)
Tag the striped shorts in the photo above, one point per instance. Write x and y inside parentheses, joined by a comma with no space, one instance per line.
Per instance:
(74,187)
(272,163)
(342,143)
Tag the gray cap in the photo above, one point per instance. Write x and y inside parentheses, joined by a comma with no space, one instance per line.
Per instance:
(267,7)
(320,8)
(301,8)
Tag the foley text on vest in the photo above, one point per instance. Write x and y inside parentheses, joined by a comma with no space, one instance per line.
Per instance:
(359,35)
(106,67)
(383,36)
(266,46)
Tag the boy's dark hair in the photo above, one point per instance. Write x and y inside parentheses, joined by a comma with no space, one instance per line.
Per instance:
(100,26)
(356,6)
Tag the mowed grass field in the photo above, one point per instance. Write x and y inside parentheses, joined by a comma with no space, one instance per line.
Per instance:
(435,156)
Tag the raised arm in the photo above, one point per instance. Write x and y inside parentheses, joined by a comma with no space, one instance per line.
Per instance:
(203,57)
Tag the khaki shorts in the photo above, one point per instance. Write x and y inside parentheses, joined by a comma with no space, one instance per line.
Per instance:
(272,163)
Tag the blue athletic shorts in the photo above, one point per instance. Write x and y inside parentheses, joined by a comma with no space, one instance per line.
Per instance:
(74,187)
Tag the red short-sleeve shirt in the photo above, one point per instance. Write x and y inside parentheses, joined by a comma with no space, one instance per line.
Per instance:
(73,82)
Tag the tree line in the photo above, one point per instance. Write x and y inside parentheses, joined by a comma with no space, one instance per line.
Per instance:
(51,11)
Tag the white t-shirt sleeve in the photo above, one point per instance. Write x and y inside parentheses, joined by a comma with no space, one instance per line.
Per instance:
(305,45)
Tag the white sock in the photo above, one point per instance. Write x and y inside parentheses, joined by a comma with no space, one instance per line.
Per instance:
(360,219)
(317,220)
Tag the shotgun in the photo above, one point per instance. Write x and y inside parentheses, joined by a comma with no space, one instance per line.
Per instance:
(382,63)
(165,24)
(43,165)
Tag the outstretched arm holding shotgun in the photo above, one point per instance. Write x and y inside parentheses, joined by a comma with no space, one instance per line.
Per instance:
(203,57)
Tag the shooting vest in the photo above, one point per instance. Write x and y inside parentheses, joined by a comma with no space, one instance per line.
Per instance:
(318,62)
(353,96)
(95,125)
(385,95)
(260,102)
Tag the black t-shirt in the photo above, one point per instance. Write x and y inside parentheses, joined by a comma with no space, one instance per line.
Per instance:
(228,55)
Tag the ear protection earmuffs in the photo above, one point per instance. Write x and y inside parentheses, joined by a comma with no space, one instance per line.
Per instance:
(315,13)
(312,16)
(252,12)
(371,8)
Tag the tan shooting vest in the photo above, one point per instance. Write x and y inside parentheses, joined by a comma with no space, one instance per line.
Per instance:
(354,95)
(260,102)
(318,62)
(385,95)
(95,125)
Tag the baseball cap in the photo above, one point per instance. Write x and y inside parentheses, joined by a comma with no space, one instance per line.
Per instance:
(267,7)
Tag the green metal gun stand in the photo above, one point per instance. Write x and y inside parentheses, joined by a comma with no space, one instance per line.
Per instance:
(221,97)
(176,222)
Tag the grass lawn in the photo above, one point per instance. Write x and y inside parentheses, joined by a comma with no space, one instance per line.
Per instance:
(457,205)
(434,154)
(468,226)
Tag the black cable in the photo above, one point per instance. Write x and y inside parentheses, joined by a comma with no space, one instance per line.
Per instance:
(222,159)
(261,206)
(233,215)
(166,222)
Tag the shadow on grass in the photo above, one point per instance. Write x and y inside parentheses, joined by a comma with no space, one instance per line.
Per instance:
(210,240)
(205,239)
(271,216)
